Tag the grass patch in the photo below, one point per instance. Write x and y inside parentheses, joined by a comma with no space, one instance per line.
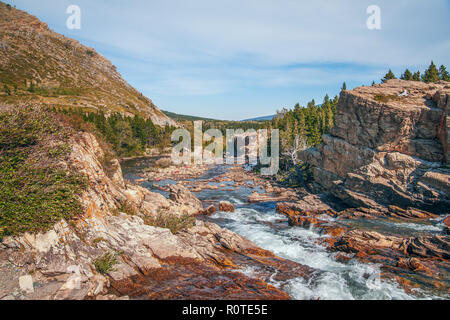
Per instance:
(385,98)
(172,222)
(105,263)
(128,208)
(96,241)
(36,190)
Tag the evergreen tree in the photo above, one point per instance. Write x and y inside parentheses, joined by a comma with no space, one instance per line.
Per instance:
(344,87)
(431,74)
(389,76)
(443,73)
(416,76)
(373,83)
(407,75)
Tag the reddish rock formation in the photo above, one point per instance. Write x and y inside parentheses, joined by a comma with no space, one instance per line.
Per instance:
(226,206)
(209,210)
(310,205)
(281,195)
(180,194)
(386,148)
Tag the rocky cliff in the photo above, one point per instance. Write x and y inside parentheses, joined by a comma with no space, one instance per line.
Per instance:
(390,146)
(40,66)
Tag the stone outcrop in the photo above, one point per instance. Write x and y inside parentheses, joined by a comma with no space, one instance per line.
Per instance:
(387,148)
(182,195)
(226,206)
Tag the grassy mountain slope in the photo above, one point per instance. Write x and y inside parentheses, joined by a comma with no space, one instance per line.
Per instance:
(39,66)
(183,117)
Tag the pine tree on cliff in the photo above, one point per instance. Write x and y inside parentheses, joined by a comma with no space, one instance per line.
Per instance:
(416,76)
(443,73)
(407,75)
(344,87)
(389,76)
(431,74)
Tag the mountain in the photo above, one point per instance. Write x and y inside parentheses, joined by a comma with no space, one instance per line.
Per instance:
(39,66)
(183,117)
(265,118)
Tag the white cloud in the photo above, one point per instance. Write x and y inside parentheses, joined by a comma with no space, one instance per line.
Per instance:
(210,47)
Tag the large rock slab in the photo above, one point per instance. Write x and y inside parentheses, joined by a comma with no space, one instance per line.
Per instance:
(388,149)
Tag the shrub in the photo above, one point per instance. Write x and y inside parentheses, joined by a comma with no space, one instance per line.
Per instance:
(105,263)
(36,190)
(385,98)
(128,208)
(172,222)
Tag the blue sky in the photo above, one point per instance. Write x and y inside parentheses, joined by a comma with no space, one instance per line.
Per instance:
(237,59)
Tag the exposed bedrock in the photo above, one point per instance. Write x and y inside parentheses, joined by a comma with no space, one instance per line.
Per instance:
(387,148)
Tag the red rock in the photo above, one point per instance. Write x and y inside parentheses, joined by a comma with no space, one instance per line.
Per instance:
(343,257)
(310,205)
(304,222)
(226,206)
(209,210)
(447,222)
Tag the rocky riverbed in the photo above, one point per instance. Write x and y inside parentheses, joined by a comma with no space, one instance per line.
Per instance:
(351,253)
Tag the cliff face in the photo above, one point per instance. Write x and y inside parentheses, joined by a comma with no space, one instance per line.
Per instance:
(389,145)
(63,72)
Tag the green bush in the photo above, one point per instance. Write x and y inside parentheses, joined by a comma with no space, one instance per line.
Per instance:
(172,222)
(385,98)
(105,263)
(128,208)
(36,191)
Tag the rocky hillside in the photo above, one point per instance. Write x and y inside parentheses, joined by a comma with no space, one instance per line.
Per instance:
(40,66)
(390,146)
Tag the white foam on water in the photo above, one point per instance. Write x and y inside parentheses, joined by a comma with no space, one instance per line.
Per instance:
(331,280)
(420,227)
(236,200)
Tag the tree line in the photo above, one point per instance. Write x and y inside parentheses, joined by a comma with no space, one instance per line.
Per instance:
(432,74)
(303,127)
(128,136)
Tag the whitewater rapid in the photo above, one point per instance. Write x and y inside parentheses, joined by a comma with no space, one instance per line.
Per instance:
(331,280)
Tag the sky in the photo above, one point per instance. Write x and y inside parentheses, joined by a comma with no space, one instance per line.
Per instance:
(238,59)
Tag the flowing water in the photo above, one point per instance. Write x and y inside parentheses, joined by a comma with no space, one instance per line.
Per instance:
(268,229)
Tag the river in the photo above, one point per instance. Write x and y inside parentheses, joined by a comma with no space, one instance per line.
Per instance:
(268,229)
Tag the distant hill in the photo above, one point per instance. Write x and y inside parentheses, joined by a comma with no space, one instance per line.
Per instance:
(183,117)
(42,67)
(265,118)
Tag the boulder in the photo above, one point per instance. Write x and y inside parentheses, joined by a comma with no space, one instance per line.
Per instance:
(26,283)
(311,205)
(226,206)
(182,195)
(210,210)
